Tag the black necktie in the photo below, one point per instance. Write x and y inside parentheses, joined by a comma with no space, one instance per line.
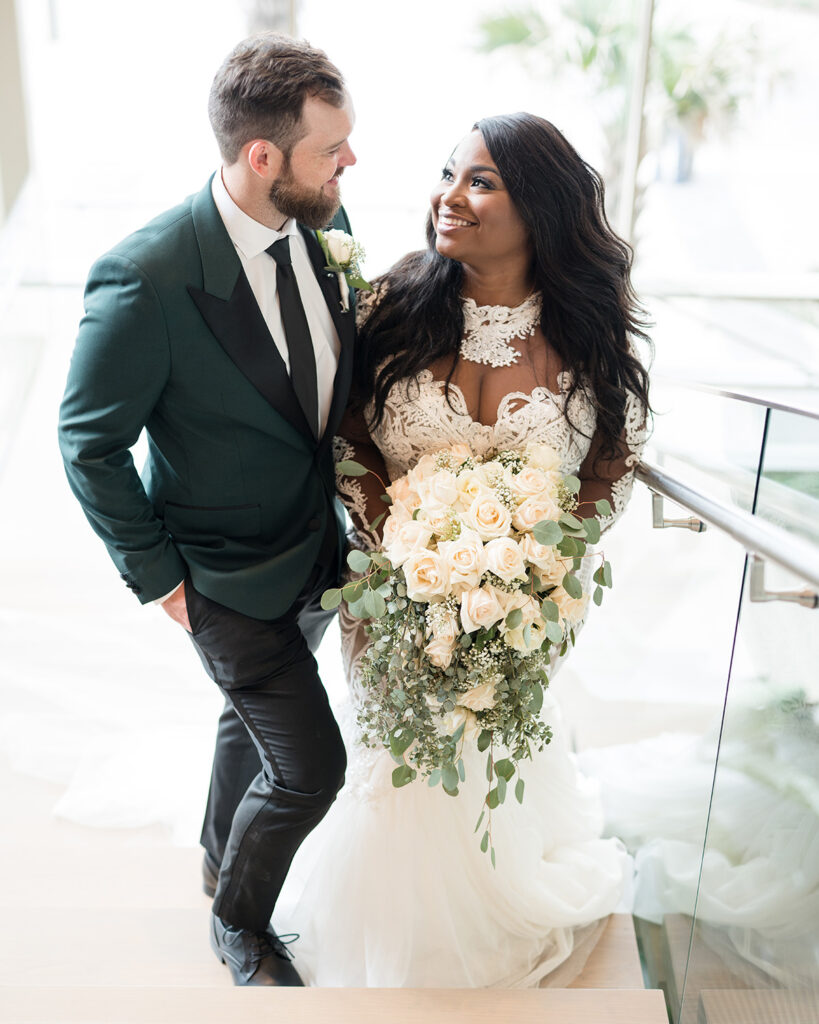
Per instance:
(299,343)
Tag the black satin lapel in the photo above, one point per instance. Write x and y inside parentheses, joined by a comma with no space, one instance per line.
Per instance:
(239,327)
(345,328)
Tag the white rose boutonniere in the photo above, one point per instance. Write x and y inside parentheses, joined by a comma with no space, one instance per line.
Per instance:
(343,255)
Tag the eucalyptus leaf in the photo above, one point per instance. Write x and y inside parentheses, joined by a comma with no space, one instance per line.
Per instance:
(435,778)
(480,819)
(330,599)
(358,609)
(485,841)
(571,483)
(603,507)
(547,532)
(607,573)
(554,632)
(358,561)
(402,775)
(377,521)
(519,787)
(592,528)
(568,547)
(536,702)
(401,738)
(501,789)
(352,591)
(461,770)
(571,584)
(514,618)
(505,768)
(492,856)
(347,467)
(484,740)
(492,799)
(449,777)
(549,610)
(597,596)
(458,732)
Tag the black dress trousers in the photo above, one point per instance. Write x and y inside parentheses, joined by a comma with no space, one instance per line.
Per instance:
(279,759)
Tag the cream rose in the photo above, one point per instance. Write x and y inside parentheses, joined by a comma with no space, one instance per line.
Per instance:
(572,609)
(439,652)
(480,608)
(400,490)
(465,559)
(439,490)
(528,606)
(528,483)
(533,510)
(537,634)
(479,698)
(423,469)
(411,536)
(460,453)
(504,559)
(542,456)
(470,486)
(396,517)
(542,556)
(488,517)
(444,626)
(460,716)
(426,576)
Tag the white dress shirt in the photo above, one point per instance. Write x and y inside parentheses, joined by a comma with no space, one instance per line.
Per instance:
(251,239)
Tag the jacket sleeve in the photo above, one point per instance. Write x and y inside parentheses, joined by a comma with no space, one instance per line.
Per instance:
(120,366)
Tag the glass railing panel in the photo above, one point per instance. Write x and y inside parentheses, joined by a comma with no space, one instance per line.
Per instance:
(755,947)
(707,441)
(644,689)
(789,485)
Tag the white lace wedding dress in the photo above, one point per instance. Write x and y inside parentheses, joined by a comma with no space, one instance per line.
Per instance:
(392,889)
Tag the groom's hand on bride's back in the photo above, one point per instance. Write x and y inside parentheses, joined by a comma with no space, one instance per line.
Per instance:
(176,606)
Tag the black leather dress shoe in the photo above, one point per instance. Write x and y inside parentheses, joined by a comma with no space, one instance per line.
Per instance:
(210,875)
(254,958)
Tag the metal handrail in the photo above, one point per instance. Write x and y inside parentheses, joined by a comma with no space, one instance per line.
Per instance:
(754,534)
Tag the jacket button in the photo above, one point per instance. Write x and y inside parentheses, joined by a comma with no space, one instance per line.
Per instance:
(314,523)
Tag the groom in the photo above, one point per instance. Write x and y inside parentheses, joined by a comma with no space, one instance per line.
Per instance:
(217,329)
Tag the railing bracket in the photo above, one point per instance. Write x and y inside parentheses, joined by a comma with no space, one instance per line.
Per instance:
(757,591)
(659,522)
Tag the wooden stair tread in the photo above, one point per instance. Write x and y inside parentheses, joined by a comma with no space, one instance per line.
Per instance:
(319,1006)
(757,1006)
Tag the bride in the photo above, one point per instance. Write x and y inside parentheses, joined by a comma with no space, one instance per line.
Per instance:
(515,325)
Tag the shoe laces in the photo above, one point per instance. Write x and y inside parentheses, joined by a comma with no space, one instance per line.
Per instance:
(266,943)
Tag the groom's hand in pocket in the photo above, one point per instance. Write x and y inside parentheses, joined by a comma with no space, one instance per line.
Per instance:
(176,606)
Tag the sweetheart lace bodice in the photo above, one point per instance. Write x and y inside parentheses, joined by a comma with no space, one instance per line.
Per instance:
(418,419)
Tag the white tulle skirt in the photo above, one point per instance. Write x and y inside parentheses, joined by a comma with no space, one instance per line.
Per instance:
(392,889)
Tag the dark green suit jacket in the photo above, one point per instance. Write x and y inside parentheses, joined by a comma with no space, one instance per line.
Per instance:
(236,489)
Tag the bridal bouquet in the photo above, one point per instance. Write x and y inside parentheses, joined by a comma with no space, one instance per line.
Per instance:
(475,586)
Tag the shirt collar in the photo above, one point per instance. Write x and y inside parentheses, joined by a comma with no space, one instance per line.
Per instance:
(248,235)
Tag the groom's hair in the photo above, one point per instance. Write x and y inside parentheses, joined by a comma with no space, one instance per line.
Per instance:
(259,92)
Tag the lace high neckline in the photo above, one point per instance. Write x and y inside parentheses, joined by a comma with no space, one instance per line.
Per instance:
(489,329)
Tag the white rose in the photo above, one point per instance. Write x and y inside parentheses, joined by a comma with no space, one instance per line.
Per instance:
(542,456)
(528,483)
(471,485)
(341,246)
(423,469)
(445,627)
(465,559)
(411,536)
(480,608)
(460,453)
(400,490)
(488,517)
(459,716)
(542,556)
(533,510)
(438,491)
(437,520)
(537,634)
(504,559)
(528,606)
(396,517)
(426,576)
(572,609)
(479,698)
(439,652)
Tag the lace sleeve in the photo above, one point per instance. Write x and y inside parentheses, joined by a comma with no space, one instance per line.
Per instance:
(614,479)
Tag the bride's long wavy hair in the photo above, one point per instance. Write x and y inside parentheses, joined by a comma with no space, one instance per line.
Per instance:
(581,266)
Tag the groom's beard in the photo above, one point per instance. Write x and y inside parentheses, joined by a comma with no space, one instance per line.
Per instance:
(309,206)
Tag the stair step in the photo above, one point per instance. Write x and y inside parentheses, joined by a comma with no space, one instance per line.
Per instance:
(757,1006)
(318,1006)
